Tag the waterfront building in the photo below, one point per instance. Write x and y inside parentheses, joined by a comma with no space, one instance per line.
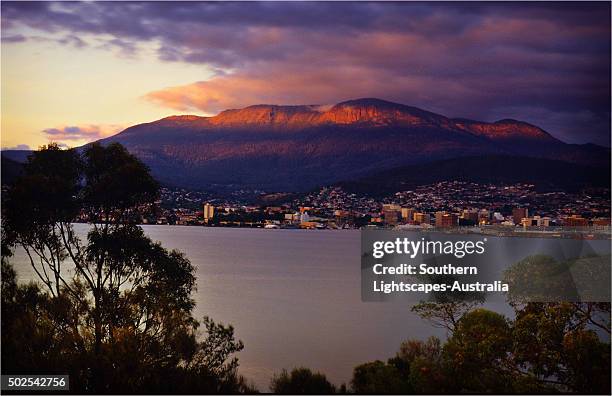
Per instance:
(408,214)
(445,220)
(518,214)
(421,218)
(576,221)
(208,212)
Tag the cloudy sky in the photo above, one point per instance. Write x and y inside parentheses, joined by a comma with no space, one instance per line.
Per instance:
(75,72)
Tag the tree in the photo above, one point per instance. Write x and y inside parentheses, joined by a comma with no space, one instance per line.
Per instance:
(555,344)
(476,352)
(544,349)
(378,377)
(424,363)
(301,381)
(548,347)
(445,315)
(121,321)
(553,341)
(445,309)
(587,361)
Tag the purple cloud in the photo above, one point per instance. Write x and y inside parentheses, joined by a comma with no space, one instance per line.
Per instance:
(73,40)
(18,147)
(17,38)
(545,63)
(80,134)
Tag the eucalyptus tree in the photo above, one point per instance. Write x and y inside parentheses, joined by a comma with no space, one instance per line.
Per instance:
(120,304)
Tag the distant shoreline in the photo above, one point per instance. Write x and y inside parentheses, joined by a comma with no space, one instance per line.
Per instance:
(590,232)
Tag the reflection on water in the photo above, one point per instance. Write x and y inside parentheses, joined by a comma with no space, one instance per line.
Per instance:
(293,296)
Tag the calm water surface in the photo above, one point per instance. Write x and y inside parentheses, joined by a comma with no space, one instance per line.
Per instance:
(293,297)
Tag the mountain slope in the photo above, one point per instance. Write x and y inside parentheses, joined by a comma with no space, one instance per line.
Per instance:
(295,148)
(11,169)
(545,174)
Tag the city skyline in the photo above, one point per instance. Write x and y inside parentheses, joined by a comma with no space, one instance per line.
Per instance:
(77,72)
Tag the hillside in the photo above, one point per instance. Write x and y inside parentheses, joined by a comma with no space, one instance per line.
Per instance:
(296,148)
(11,169)
(543,173)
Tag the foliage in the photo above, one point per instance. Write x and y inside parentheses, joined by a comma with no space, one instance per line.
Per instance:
(556,342)
(547,348)
(444,314)
(301,381)
(114,311)
(380,378)
(445,309)
(541,278)
(424,362)
(476,351)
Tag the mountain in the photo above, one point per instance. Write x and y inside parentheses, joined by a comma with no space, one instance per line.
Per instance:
(545,174)
(11,169)
(295,148)
(19,156)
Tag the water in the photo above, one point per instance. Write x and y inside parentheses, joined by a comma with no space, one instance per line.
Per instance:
(293,297)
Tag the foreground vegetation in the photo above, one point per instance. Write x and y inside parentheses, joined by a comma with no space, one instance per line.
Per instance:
(547,348)
(118,318)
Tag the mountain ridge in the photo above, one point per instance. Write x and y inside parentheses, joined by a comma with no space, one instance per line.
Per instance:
(296,148)
(357,112)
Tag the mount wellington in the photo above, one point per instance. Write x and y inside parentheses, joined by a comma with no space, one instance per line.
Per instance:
(296,148)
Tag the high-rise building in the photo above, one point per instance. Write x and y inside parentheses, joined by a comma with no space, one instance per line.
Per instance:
(209,212)
(518,214)
(445,220)
(391,216)
(391,213)
(421,218)
(407,214)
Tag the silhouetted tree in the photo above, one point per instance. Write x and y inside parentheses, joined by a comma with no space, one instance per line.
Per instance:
(544,349)
(445,309)
(555,343)
(114,311)
(424,363)
(301,381)
(379,378)
(476,353)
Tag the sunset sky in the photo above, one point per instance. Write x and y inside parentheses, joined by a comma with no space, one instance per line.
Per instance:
(75,72)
